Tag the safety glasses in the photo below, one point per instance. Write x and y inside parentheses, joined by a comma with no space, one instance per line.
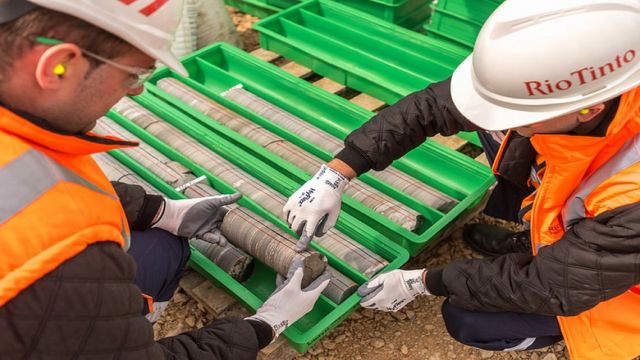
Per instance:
(139,75)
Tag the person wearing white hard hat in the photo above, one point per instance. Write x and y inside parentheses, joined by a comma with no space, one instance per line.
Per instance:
(67,286)
(563,77)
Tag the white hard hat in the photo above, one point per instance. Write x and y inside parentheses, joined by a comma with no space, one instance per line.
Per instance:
(149,25)
(538,59)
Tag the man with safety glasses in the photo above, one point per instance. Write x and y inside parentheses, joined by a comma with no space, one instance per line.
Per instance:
(66,286)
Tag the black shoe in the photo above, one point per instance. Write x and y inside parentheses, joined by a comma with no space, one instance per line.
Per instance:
(491,240)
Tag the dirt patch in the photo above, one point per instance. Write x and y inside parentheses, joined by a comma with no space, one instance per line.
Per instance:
(244,23)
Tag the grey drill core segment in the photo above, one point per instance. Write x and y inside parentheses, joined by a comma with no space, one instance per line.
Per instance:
(358,190)
(235,261)
(265,244)
(351,252)
(232,260)
(115,171)
(325,141)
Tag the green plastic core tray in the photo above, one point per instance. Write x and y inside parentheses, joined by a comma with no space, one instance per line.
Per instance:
(257,288)
(460,21)
(257,8)
(392,11)
(221,66)
(473,10)
(360,51)
(405,13)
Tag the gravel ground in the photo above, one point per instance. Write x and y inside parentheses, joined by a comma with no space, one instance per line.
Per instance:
(415,332)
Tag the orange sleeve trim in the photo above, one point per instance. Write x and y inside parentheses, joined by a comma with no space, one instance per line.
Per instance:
(498,159)
(149,300)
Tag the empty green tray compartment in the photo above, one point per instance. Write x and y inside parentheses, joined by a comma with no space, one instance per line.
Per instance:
(460,21)
(392,11)
(358,50)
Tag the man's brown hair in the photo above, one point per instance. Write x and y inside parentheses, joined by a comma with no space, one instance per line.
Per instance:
(18,36)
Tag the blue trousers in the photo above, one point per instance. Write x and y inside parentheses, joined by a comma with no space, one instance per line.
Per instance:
(500,331)
(161,259)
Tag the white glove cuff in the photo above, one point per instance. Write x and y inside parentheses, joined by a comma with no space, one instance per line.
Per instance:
(278,328)
(332,178)
(424,283)
(415,282)
(170,218)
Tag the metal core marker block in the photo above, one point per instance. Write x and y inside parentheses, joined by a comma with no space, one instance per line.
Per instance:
(367,195)
(346,249)
(394,177)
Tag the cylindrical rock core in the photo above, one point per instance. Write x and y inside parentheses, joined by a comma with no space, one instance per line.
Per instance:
(401,181)
(336,242)
(358,190)
(232,260)
(268,246)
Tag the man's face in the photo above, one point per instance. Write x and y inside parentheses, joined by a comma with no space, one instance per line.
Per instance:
(100,90)
(558,125)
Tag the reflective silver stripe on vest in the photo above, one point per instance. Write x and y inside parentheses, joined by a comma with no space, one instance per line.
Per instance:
(22,181)
(125,235)
(30,176)
(574,209)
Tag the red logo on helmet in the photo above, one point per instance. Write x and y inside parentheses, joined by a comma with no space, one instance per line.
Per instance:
(581,76)
(149,9)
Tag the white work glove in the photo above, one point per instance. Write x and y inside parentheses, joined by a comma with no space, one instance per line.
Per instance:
(393,290)
(314,208)
(290,302)
(196,218)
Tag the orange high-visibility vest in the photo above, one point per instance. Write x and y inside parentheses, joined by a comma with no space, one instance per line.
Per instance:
(584,177)
(54,201)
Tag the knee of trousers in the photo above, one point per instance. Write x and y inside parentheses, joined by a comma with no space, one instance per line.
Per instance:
(184,252)
(173,250)
(460,325)
(178,248)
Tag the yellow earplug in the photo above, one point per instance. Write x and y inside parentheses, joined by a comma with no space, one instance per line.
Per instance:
(59,70)
(584,111)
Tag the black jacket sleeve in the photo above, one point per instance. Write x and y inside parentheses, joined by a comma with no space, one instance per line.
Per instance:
(401,127)
(139,207)
(596,260)
(228,338)
(89,307)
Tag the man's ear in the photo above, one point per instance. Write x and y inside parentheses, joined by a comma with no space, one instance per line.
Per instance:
(593,111)
(57,64)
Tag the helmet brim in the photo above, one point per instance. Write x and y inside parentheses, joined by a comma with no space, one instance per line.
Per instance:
(486,114)
(493,116)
